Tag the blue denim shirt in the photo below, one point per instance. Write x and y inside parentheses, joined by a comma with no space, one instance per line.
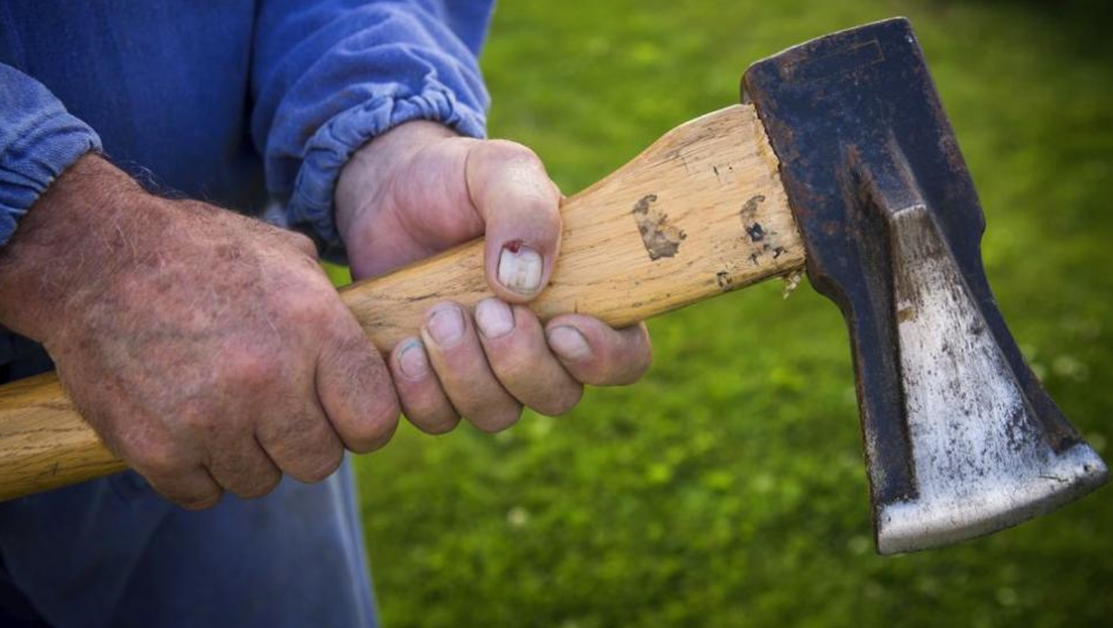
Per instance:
(226,101)
(223,101)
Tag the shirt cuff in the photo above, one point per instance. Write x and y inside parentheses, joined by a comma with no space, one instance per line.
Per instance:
(311,203)
(32,155)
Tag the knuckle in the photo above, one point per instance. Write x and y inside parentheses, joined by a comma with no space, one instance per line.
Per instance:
(377,429)
(302,241)
(352,348)
(623,373)
(260,485)
(498,421)
(616,368)
(515,366)
(610,372)
(321,466)
(200,501)
(290,429)
(513,152)
(156,456)
(559,404)
(438,426)
(434,421)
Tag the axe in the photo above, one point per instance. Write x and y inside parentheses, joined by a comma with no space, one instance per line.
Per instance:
(839,160)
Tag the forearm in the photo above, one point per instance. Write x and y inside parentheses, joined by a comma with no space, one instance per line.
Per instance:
(39,140)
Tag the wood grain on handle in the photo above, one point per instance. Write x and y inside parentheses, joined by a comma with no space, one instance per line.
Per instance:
(698,213)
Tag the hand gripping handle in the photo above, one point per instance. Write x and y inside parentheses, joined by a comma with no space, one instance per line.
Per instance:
(698,213)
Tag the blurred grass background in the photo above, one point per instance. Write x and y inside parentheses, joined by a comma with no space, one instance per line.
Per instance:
(727,489)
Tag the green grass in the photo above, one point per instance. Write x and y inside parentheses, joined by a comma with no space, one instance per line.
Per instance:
(727,488)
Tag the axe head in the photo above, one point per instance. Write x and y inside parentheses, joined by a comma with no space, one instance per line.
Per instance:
(959,435)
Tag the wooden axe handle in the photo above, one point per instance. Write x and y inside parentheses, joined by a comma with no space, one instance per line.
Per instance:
(698,213)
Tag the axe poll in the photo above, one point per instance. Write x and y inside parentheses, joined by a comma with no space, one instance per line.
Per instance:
(839,160)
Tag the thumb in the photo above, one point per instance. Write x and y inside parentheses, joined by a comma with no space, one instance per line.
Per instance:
(520,208)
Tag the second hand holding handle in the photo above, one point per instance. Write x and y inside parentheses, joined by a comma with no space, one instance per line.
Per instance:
(700,212)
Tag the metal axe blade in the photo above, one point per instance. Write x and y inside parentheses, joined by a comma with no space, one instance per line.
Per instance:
(960,437)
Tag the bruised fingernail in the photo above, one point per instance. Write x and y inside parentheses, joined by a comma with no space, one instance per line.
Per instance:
(569,343)
(520,268)
(445,324)
(494,318)
(412,360)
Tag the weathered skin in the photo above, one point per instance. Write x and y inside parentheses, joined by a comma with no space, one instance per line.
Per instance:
(448,190)
(211,353)
(196,341)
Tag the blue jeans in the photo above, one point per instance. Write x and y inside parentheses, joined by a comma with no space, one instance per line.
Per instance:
(112,553)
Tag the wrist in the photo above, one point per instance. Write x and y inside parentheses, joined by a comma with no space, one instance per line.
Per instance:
(63,245)
(365,179)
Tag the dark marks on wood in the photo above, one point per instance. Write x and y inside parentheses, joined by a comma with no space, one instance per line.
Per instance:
(754,229)
(763,239)
(750,206)
(756,232)
(723,174)
(660,238)
(724,279)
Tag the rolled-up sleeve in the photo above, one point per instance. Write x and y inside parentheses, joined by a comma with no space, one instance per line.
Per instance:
(38,140)
(329,75)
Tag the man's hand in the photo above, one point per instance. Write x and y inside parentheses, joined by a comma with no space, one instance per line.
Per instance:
(418,190)
(208,350)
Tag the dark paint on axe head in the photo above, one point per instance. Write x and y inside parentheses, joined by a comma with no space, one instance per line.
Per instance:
(960,437)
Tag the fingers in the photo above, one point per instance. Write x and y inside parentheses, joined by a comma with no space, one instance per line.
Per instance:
(516,350)
(457,356)
(593,353)
(487,369)
(193,489)
(520,207)
(423,400)
(355,389)
(243,468)
(305,447)
(246,455)
(301,242)
(173,471)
